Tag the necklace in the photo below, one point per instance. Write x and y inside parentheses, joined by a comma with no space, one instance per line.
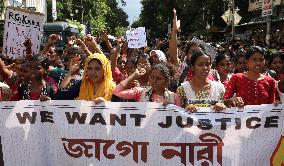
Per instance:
(201,92)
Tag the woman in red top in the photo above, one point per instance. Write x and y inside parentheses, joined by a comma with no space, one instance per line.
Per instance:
(37,87)
(251,87)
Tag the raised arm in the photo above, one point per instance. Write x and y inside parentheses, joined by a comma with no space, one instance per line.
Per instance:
(28,44)
(70,43)
(115,55)
(52,39)
(74,67)
(104,36)
(122,92)
(83,46)
(173,50)
(90,42)
(4,72)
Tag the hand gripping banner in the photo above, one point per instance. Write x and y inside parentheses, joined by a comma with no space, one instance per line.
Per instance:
(72,133)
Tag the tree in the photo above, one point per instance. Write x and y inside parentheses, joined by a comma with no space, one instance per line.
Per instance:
(116,19)
(194,14)
(155,16)
(99,15)
(2,8)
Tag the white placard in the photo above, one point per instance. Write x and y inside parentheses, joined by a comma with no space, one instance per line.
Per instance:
(136,37)
(20,25)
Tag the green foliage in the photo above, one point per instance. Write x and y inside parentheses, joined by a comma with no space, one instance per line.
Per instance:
(137,23)
(194,15)
(116,18)
(153,16)
(120,31)
(78,24)
(99,15)
(2,7)
(49,11)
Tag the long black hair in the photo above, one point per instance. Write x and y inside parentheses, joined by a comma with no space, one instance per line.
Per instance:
(254,49)
(196,54)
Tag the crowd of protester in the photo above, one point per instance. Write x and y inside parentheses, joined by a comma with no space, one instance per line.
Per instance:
(98,69)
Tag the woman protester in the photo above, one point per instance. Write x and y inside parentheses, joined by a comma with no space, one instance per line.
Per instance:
(275,63)
(223,69)
(200,91)
(39,86)
(251,87)
(96,84)
(182,70)
(157,56)
(240,65)
(143,62)
(159,78)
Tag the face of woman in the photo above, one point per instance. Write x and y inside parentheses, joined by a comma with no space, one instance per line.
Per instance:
(37,71)
(154,58)
(24,72)
(276,64)
(130,68)
(58,63)
(144,63)
(157,80)
(95,71)
(224,67)
(121,64)
(201,67)
(241,64)
(256,63)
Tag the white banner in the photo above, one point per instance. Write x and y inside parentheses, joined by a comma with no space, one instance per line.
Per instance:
(136,37)
(267,6)
(21,25)
(66,133)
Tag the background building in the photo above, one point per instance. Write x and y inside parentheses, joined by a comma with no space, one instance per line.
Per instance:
(256,26)
(35,5)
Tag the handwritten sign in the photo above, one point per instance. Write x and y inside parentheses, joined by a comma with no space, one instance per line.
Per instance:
(77,132)
(21,25)
(136,37)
